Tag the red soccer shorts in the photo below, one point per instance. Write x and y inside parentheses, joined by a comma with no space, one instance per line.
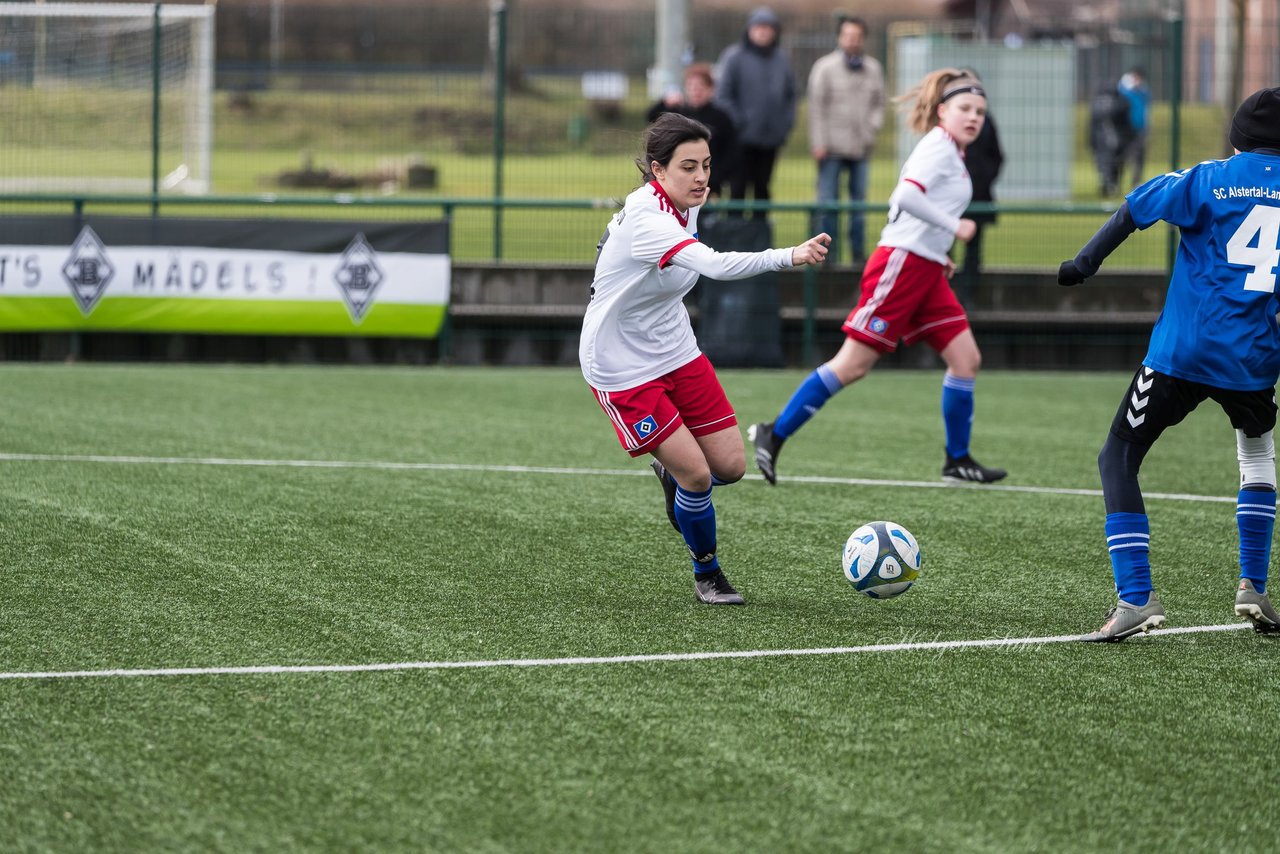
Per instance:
(646,416)
(905,297)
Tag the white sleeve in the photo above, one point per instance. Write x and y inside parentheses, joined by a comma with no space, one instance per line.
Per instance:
(705,261)
(908,197)
(655,235)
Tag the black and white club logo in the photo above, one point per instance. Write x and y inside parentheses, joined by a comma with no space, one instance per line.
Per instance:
(87,270)
(358,276)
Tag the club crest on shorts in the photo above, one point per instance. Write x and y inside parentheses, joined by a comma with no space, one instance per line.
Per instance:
(878,324)
(645,427)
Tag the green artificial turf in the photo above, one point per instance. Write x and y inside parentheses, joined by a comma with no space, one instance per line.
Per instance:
(469,515)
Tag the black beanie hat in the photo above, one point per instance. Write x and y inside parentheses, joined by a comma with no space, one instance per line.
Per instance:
(1257,123)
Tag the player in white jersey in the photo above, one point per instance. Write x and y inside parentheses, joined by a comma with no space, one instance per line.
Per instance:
(638,351)
(905,293)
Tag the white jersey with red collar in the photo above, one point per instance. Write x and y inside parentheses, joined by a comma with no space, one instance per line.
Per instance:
(636,327)
(936,166)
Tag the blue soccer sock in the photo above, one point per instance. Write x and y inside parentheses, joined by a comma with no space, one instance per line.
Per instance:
(957,413)
(697,517)
(807,399)
(1255,517)
(1129,542)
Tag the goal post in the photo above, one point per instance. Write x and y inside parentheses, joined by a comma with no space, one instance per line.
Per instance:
(105,97)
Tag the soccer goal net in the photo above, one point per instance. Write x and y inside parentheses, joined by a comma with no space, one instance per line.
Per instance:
(103,98)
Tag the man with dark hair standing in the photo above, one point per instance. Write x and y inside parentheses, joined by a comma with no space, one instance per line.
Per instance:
(846,112)
(758,87)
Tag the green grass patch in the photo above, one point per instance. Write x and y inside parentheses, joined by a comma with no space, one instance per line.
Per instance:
(365,126)
(170,564)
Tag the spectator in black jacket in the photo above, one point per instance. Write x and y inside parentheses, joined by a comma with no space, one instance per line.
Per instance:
(758,88)
(696,102)
(983,158)
(1110,134)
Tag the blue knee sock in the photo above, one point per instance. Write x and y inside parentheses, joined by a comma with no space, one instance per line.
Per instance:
(1255,517)
(1129,541)
(697,517)
(816,390)
(957,413)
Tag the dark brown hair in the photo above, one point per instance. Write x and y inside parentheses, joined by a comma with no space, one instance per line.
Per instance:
(664,136)
(842,19)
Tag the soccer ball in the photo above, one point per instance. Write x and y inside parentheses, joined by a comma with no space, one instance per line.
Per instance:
(882,560)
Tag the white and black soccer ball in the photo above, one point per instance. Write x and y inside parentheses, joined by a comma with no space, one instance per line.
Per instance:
(882,560)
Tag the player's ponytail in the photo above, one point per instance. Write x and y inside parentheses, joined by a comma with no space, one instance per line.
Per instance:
(664,136)
(921,101)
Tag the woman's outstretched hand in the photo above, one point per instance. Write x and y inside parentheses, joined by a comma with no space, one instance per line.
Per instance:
(812,251)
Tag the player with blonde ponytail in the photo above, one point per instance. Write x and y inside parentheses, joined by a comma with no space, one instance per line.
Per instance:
(906,295)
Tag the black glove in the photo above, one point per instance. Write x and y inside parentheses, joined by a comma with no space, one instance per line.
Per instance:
(1069,274)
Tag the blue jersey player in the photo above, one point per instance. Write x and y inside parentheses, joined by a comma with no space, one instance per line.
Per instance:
(1217,338)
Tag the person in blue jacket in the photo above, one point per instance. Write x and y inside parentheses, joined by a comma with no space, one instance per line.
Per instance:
(1137,95)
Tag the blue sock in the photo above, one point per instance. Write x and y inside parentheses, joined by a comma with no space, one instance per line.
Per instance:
(1255,517)
(816,390)
(1129,541)
(697,517)
(957,413)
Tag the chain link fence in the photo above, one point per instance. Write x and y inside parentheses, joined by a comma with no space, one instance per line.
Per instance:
(403,103)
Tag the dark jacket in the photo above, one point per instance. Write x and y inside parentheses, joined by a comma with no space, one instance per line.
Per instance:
(724,137)
(983,158)
(758,88)
(1109,129)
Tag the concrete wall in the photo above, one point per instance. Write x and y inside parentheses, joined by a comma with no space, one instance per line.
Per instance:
(522,314)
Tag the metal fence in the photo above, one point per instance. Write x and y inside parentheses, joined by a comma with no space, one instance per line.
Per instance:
(492,121)
(403,102)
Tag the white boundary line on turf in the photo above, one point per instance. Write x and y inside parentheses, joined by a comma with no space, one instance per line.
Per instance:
(267,669)
(394,466)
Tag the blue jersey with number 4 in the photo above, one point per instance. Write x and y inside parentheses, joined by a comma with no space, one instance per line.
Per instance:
(1218,325)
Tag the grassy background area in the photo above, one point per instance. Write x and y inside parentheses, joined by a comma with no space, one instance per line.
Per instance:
(564,234)
(451,126)
(369,124)
(1030,747)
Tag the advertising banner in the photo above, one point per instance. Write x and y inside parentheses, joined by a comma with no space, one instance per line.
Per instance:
(242,277)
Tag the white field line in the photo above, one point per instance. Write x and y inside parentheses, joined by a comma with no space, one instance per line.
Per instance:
(554,662)
(394,466)
(906,646)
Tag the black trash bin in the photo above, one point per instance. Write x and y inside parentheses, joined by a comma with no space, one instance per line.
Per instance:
(738,322)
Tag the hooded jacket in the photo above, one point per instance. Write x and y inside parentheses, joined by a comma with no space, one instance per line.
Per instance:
(758,87)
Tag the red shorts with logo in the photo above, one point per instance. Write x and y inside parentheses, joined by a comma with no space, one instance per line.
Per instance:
(905,297)
(645,416)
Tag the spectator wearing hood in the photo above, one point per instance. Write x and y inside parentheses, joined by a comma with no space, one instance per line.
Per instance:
(758,87)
